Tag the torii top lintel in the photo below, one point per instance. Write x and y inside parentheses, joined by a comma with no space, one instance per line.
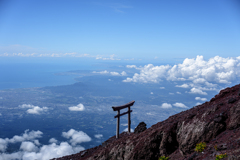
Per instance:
(117,108)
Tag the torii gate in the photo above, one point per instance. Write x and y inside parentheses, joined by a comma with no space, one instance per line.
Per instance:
(118,108)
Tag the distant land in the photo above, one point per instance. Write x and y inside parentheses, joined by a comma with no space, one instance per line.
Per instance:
(47,108)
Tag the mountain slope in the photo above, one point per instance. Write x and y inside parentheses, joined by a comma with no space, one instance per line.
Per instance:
(216,122)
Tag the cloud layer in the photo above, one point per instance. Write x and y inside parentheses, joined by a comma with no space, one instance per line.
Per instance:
(196,73)
(166,105)
(30,147)
(26,136)
(197,91)
(201,99)
(177,104)
(123,73)
(34,109)
(126,130)
(79,107)
(180,105)
(98,136)
(216,69)
(76,137)
(72,54)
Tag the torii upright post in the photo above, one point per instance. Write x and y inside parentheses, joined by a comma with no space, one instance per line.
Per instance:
(118,108)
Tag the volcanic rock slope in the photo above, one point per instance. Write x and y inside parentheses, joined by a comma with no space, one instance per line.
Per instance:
(216,122)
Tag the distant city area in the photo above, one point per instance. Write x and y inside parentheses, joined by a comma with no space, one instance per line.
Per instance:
(77,113)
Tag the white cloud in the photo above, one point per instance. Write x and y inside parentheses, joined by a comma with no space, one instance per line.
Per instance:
(16,48)
(150,114)
(99,136)
(131,66)
(70,54)
(76,136)
(114,73)
(55,55)
(183,86)
(37,110)
(101,72)
(45,55)
(50,151)
(196,72)
(151,92)
(166,105)
(197,91)
(210,84)
(127,80)
(28,146)
(27,136)
(26,106)
(3,145)
(36,142)
(162,87)
(33,109)
(178,92)
(201,99)
(0,114)
(149,73)
(124,73)
(31,148)
(126,130)
(180,105)
(206,89)
(132,59)
(111,57)
(79,107)
(53,140)
(198,103)
(171,93)
(199,80)
(12,156)
(78,148)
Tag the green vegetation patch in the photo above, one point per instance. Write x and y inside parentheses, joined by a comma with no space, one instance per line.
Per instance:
(163,158)
(200,147)
(221,156)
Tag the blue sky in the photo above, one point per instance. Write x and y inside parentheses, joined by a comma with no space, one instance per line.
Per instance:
(120,29)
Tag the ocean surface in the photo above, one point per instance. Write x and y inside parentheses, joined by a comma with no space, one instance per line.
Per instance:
(27,73)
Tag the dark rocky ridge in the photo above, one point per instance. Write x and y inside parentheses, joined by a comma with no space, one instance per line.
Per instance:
(140,128)
(216,122)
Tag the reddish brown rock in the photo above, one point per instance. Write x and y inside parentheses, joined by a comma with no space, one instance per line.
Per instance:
(140,128)
(234,119)
(216,122)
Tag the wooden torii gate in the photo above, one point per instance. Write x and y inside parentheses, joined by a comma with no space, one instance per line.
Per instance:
(118,108)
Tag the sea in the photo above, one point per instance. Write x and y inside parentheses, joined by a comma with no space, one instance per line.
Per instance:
(28,72)
(40,72)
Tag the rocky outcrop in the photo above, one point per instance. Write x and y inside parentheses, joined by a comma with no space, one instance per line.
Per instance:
(234,119)
(216,122)
(140,128)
